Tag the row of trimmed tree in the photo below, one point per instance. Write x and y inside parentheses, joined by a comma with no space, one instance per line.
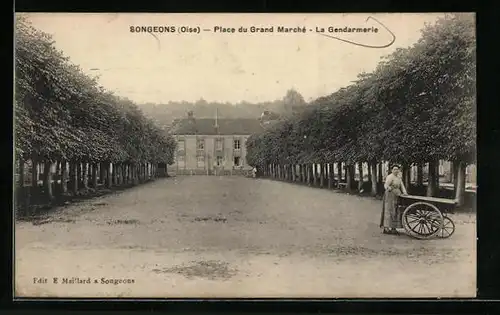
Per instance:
(72,132)
(416,108)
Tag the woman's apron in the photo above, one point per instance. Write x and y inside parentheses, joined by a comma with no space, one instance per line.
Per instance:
(389,217)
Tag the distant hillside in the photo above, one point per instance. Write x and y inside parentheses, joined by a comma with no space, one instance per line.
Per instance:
(165,114)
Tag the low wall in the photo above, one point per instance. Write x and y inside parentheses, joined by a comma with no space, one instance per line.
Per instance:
(237,172)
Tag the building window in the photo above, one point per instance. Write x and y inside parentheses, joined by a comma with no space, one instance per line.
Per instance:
(218,144)
(180,145)
(180,160)
(219,160)
(200,161)
(237,161)
(236,144)
(200,144)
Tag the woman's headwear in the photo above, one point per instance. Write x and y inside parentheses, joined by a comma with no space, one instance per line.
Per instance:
(395,165)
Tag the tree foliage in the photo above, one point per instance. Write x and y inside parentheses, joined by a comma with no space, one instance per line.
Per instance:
(418,105)
(61,113)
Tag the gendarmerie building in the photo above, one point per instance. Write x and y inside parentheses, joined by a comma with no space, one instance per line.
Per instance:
(212,146)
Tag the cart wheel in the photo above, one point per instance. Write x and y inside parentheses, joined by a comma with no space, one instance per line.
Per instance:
(422,220)
(448,228)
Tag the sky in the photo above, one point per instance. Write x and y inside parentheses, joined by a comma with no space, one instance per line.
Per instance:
(226,67)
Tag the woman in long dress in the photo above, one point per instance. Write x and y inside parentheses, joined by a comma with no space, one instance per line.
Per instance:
(394,187)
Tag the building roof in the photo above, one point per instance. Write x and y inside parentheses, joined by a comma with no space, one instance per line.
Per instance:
(206,126)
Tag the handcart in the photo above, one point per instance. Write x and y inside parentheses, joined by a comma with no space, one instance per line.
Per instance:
(426,217)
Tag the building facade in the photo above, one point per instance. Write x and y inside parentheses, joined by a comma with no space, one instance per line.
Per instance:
(212,146)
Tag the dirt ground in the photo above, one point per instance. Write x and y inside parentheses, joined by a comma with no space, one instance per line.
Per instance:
(207,236)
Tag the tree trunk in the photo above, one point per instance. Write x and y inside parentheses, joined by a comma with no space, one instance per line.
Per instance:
(321,175)
(102,171)
(313,174)
(455,170)
(79,175)
(406,169)
(321,180)
(460,179)
(85,175)
(64,176)
(339,173)
(420,175)
(108,182)
(124,174)
(135,174)
(114,175)
(437,175)
(132,173)
(20,183)
(138,171)
(117,173)
(330,175)
(120,174)
(21,196)
(58,173)
(373,177)
(349,176)
(94,175)
(73,181)
(431,181)
(369,175)
(380,176)
(142,172)
(47,180)
(129,173)
(34,173)
(449,172)
(308,174)
(361,178)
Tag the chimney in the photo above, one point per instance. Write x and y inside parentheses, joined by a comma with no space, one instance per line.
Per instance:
(216,125)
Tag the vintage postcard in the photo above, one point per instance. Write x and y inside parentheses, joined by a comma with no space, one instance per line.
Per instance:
(245,155)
